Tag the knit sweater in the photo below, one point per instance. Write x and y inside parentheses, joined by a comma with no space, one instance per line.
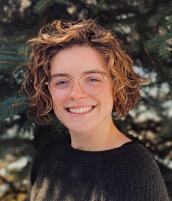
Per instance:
(127,173)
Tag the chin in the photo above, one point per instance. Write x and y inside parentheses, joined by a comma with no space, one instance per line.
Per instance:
(79,129)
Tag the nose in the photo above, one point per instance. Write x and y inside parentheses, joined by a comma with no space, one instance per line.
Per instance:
(76,92)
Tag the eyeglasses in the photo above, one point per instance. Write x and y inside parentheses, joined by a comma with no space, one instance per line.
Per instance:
(91,83)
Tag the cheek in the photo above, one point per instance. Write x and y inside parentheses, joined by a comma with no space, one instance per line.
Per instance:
(54,99)
(56,104)
(58,107)
(57,111)
(109,99)
(109,103)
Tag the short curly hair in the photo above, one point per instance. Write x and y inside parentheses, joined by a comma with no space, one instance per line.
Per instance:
(61,34)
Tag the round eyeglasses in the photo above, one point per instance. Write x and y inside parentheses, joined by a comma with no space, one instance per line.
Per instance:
(91,83)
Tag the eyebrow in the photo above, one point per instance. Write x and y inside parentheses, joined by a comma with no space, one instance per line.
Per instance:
(68,75)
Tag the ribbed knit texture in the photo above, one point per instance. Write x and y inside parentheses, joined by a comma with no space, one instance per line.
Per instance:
(127,173)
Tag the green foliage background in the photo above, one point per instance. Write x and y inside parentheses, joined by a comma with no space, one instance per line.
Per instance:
(144,26)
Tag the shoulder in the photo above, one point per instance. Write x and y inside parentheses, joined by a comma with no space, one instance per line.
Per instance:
(141,164)
(52,146)
(46,154)
(138,154)
(143,169)
(138,166)
(136,149)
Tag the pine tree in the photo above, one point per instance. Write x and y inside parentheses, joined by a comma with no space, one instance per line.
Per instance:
(144,26)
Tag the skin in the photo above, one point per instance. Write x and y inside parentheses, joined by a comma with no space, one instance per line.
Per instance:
(91,130)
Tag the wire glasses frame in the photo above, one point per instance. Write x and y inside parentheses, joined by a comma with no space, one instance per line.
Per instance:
(91,83)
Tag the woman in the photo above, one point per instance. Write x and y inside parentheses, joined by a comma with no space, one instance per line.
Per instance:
(79,72)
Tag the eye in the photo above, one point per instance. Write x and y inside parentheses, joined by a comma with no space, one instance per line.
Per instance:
(93,79)
(61,83)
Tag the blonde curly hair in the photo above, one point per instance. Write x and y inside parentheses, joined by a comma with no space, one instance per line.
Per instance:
(62,34)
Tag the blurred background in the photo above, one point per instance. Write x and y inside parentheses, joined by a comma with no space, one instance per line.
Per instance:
(144,26)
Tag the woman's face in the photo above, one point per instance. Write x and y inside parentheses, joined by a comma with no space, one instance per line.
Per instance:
(80,112)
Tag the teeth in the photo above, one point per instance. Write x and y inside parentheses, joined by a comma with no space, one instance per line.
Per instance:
(80,110)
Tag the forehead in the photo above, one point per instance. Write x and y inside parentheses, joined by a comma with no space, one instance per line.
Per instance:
(77,60)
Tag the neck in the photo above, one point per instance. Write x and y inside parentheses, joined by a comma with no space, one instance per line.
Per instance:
(103,138)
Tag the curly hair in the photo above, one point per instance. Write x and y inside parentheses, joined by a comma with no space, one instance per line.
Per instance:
(62,34)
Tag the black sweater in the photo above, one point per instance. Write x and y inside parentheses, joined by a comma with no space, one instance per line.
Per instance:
(127,173)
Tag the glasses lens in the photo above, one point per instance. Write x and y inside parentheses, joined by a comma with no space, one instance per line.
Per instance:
(60,85)
(92,83)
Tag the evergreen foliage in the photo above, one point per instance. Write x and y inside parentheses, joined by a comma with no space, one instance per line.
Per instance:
(12,106)
(12,58)
(42,5)
(144,26)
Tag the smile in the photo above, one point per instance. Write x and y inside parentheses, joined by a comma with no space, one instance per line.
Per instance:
(80,110)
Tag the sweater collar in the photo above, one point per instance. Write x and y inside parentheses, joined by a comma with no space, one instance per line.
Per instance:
(71,152)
